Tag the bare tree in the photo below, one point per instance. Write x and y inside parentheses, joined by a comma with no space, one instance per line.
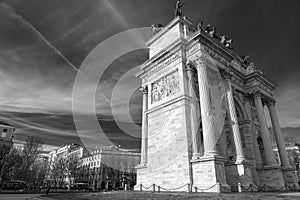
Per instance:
(11,167)
(73,162)
(290,140)
(59,170)
(39,171)
(4,153)
(29,155)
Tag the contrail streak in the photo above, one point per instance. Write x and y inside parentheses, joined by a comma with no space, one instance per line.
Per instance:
(20,18)
(37,32)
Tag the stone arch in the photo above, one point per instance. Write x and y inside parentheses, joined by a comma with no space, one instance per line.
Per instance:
(240,111)
(241,116)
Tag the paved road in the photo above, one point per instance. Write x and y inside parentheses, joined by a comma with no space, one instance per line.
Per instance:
(293,194)
(20,197)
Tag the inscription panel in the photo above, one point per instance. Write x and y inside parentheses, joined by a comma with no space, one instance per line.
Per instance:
(163,62)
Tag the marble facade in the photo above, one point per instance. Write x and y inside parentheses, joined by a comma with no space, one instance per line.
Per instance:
(183,139)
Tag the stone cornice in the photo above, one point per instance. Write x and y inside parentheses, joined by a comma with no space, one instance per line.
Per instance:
(258,76)
(146,66)
(256,82)
(230,59)
(213,44)
(165,29)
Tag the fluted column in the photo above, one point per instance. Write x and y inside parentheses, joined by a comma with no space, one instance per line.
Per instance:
(278,135)
(144,145)
(194,115)
(233,120)
(265,135)
(223,144)
(255,148)
(209,137)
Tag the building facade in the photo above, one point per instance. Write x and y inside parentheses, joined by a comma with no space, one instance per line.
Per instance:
(108,168)
(62,153)
(6,131)
(203,119)
(293,151)
(6,143)
(104,168)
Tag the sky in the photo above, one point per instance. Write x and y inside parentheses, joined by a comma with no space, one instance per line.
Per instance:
(44,43)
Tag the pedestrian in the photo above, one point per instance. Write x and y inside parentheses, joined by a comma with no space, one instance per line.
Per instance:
(48,190)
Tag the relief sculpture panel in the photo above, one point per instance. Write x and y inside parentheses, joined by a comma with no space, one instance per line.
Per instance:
(165,87)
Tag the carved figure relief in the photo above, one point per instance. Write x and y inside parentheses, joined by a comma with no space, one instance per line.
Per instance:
(165,87)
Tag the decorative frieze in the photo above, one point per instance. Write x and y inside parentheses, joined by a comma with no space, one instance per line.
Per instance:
(265,88)
(193,49)
(215,55)
(166,60)
(165,87)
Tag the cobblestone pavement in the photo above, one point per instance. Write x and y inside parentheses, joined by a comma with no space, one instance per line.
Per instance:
(174,196)
(19,196)
(152,196)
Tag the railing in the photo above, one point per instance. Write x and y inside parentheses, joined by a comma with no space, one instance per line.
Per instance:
(241,188)
(157,188)
(266,188)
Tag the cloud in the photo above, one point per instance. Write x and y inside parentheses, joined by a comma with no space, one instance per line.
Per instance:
(41,51)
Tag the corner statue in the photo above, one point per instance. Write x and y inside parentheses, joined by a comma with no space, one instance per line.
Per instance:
(178,11)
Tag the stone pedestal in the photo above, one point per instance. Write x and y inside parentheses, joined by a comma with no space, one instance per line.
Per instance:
(141,172)
(168,130)
(290,177)
(209,174)
(271,176)
(239,173)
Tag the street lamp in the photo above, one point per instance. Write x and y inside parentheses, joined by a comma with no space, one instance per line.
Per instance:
(124,177)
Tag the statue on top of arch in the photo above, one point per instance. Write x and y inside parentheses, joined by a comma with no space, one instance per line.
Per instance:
(178,10)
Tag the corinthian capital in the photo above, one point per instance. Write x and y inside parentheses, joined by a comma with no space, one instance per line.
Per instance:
(144,90)
(256,94)
(270,102)
(200,60)
(190,65)
(227,74)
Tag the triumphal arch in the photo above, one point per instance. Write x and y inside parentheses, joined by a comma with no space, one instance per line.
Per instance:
(203,116)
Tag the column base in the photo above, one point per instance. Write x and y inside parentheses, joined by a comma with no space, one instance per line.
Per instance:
(217,188)
(239,174)
(141,165)
(209,174)
(196,156)
(271,176)
(290,178)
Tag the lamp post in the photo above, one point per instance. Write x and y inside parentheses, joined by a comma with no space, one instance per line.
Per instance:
(108,181)
(124,179)
(93,175)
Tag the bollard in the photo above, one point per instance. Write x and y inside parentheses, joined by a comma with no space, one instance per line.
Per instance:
(141,187)
(126,186)
(240,187)
(196,189)
(189,187)
(153,187)
(158,189)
